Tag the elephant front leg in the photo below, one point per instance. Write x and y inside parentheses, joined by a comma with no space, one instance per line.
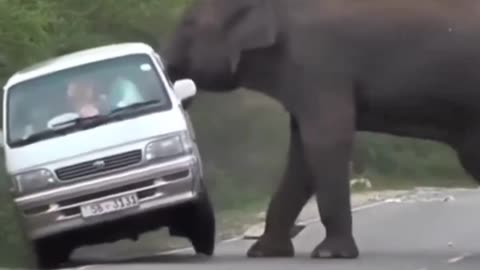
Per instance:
(294,191)
(327,135)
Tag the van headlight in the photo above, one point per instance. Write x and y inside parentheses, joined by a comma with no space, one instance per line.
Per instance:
(33,181)
(170,146)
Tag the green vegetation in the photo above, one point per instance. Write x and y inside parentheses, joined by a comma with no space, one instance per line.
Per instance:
(243,136)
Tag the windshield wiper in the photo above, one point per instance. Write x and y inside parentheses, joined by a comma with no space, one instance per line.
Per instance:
(101,118)
(75,122)
(135,106)
(61,128)
(64,127)
(45,134)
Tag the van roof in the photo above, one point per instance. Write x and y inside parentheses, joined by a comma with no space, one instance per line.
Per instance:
(77,58)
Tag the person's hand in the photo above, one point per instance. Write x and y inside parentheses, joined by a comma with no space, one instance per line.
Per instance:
(88,110)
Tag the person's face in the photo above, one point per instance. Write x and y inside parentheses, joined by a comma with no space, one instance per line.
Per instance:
(81,94)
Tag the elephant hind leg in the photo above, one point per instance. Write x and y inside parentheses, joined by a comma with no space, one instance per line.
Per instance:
(468,152)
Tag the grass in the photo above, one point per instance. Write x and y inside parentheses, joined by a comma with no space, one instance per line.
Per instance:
(13,252)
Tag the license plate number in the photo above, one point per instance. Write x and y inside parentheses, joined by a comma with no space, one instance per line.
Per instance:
(109,206)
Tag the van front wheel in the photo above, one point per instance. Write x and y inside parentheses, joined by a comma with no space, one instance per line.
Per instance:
(51,253)
(196,221)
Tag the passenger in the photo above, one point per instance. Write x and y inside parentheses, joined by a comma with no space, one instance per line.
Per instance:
(84,96)
(123,92)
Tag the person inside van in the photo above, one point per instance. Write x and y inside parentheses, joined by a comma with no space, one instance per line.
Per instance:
(123,92)
(85,98)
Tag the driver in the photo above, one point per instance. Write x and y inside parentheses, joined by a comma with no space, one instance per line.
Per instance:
(83,95)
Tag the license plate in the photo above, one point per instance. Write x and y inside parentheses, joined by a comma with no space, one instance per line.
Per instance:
(109,206)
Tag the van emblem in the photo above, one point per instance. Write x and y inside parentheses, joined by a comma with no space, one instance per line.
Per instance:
(99,164)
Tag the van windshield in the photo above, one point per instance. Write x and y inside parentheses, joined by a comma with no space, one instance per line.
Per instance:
(84,97)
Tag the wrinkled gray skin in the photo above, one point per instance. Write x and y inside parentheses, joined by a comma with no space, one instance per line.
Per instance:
(406,67)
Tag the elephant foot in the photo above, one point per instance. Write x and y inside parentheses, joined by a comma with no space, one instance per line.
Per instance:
(271,247)
(336,248)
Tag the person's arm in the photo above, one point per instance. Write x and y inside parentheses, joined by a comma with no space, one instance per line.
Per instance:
(124,92)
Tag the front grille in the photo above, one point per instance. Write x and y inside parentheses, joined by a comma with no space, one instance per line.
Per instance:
(100,165)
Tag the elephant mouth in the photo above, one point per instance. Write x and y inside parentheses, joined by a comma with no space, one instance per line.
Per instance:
(215,83)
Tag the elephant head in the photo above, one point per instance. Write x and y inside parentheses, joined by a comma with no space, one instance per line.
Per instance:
(212,37)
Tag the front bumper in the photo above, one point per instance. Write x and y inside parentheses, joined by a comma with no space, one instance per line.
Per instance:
(157,186)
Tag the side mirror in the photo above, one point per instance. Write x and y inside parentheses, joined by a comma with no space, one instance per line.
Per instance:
(185,89)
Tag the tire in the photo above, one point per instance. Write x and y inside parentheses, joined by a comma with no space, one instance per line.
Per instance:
(196,221)
(51,253)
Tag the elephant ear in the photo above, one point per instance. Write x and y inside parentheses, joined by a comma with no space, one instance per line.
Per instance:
(250,27)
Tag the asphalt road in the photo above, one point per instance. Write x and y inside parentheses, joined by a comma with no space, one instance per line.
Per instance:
(408,235)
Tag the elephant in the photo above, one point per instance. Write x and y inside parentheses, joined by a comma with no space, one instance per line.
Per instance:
(408,68)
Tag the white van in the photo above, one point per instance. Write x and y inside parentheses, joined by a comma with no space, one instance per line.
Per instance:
(99,148)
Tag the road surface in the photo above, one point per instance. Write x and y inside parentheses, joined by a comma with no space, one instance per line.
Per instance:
(415,234)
